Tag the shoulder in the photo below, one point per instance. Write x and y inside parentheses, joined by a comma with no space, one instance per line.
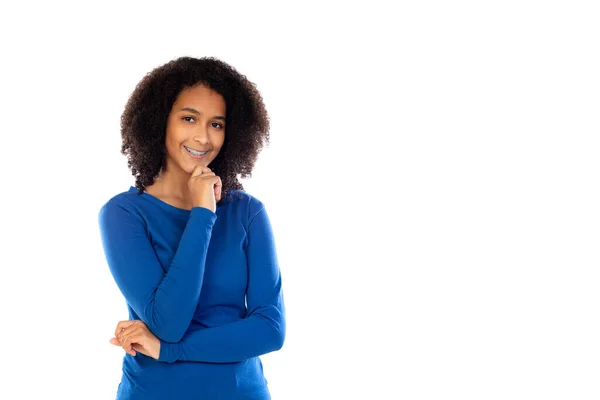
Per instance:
(249,204)
(120,204)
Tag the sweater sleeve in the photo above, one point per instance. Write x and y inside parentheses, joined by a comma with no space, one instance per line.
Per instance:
(165,302)
(263,329)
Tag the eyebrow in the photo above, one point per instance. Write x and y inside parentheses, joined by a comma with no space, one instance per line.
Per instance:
(194,111)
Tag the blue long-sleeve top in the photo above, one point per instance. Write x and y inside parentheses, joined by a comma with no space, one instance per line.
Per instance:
(207,284)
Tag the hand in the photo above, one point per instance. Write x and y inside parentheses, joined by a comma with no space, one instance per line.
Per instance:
(205,188)
(135,336)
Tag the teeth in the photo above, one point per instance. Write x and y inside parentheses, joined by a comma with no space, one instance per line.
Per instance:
(194,152)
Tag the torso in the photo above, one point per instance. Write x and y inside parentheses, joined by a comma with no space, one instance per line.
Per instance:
(157,191)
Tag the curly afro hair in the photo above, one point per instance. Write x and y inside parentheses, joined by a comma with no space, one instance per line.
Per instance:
(144,120)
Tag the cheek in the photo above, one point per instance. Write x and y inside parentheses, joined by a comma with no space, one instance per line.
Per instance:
(170,145)
(173,138)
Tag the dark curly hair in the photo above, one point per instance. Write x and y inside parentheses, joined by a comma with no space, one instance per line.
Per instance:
(144,120)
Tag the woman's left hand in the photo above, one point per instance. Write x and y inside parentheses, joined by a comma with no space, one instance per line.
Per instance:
(135,336)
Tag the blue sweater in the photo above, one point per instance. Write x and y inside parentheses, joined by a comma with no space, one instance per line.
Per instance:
(206,284)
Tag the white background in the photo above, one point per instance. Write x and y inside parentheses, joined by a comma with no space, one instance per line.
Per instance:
(432,180)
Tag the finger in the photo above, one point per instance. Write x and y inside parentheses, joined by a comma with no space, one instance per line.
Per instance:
(205,175)
(141,349)
(197,171)
(119,327)
(126,330)
(136,331)
(127,344)
(128,349)
(133,341)
(218,188)
(137,347)
(124,325)
(122,338)
(200,170)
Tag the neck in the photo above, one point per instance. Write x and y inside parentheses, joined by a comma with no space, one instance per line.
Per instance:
(173,183)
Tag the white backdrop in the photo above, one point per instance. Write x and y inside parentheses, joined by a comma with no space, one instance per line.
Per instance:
(432,181)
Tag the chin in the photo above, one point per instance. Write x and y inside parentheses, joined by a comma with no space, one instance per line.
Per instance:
(189,167)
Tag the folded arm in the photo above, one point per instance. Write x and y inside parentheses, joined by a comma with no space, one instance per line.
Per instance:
(263,329)
(165,302)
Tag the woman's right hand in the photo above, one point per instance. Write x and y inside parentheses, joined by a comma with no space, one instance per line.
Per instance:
(205,188)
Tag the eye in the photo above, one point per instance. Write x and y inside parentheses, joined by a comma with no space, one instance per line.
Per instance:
(184,118)
(217,125)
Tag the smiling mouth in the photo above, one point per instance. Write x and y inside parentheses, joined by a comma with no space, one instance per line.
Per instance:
(195,153)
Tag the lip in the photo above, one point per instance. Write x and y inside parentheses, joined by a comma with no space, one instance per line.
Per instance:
(194,156)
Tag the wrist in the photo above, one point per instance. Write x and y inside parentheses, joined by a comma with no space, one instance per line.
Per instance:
(168,352)
(203,213)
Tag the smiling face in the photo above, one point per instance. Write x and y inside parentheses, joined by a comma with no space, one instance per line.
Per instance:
(195,129)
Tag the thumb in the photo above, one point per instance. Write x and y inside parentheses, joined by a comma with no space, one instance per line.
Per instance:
(137,347)
(115,341)
(141,349)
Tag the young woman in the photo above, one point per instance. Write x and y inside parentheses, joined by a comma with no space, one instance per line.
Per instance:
(192,253)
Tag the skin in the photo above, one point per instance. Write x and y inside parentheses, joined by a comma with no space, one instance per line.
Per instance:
(202,129)
(134,336)
(196,121)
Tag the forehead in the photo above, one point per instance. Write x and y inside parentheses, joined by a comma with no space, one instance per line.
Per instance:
(200,95)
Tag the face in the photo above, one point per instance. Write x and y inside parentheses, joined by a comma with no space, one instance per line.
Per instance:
(195,129)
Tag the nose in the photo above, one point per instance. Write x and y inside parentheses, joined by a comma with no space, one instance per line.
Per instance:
(201,135)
